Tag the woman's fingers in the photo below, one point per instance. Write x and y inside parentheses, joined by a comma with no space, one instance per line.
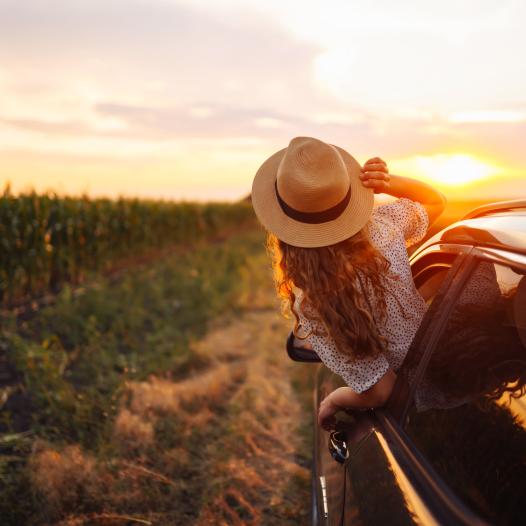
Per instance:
(377,186)
(375,167)
(326,420)
(326,414)
(329,424)
(375,160)
(378,181)
(374,175)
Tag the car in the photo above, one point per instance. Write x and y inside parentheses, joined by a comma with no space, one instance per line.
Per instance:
(449,447)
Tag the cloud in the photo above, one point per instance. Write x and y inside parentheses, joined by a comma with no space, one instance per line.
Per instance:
(489,116)
(241,126)
(50,127)
(146,49)
(218,120)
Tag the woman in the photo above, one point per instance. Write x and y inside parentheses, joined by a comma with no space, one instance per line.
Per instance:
(342,266)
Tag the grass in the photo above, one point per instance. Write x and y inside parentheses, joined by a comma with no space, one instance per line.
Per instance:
(162,397)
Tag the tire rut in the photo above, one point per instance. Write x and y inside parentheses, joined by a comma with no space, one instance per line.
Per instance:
(223,446)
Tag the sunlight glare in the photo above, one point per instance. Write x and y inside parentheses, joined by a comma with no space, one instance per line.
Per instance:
(452,170)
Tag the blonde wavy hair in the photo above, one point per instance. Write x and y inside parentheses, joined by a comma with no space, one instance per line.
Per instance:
(343,288)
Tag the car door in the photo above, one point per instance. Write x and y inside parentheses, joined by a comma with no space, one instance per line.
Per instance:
(468,415)
(378,487)
(456,454)
(328,475)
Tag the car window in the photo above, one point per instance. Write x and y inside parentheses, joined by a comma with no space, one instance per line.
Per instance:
(430,271)
(433,278)
(432,274)
(469,411)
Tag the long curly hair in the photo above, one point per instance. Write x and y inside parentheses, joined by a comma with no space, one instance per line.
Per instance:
(481,353)
(343,286)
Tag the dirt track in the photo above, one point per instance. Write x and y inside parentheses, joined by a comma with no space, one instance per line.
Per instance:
(263,470)
(241,418)
(227,445)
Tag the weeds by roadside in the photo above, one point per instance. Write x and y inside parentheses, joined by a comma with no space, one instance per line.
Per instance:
(163,398)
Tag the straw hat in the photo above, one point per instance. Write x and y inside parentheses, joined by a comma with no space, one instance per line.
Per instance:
(310,194)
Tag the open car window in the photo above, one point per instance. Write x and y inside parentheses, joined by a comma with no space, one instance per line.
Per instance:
(431,281)
(433,274)
(429,273)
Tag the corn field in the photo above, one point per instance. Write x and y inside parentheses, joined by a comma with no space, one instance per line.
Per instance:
(47,240)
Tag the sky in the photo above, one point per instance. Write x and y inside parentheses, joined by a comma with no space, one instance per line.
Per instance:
(184,99)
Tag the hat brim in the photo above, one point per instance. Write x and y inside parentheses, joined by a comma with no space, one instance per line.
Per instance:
(297,233)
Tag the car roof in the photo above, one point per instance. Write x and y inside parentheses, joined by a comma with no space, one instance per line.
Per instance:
(499,225)
(516,205)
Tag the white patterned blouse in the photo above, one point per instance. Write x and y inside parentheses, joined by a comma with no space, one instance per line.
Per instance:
(392,228)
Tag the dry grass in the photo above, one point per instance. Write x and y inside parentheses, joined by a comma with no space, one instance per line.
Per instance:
(67,479)
(103,519)
(260,450)
(162,396)
(131,431)
(219,447)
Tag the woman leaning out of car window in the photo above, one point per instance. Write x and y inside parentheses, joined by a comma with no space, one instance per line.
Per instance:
(341,264)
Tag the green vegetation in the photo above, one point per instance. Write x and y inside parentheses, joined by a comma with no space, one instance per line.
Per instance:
(142,372)
(75,359)
(161,397)
(48,240)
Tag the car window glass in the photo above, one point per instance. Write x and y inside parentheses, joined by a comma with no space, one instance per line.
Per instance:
(428,287)
(432,274)
(469,413)
(430,271)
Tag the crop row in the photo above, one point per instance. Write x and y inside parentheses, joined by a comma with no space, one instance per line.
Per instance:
(46,240)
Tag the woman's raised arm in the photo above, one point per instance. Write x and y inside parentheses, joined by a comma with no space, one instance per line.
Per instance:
(376,175)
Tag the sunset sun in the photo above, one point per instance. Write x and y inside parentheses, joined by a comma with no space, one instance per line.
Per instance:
(455,169)
(450,170)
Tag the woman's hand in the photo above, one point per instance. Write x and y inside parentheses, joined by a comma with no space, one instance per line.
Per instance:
(326,413)
(375,175)
(344,398)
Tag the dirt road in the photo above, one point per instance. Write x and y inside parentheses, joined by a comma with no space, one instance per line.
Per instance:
(227,445)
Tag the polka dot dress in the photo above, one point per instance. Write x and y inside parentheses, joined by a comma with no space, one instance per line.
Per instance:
(392,228)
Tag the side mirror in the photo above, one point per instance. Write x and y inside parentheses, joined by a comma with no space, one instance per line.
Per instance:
(299,354)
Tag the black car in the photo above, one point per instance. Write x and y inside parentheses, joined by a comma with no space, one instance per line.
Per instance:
(450,445)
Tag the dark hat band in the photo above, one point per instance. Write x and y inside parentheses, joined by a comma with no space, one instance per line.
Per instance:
(314,218)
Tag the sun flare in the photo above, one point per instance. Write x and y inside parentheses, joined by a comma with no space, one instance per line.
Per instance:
(450,170)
